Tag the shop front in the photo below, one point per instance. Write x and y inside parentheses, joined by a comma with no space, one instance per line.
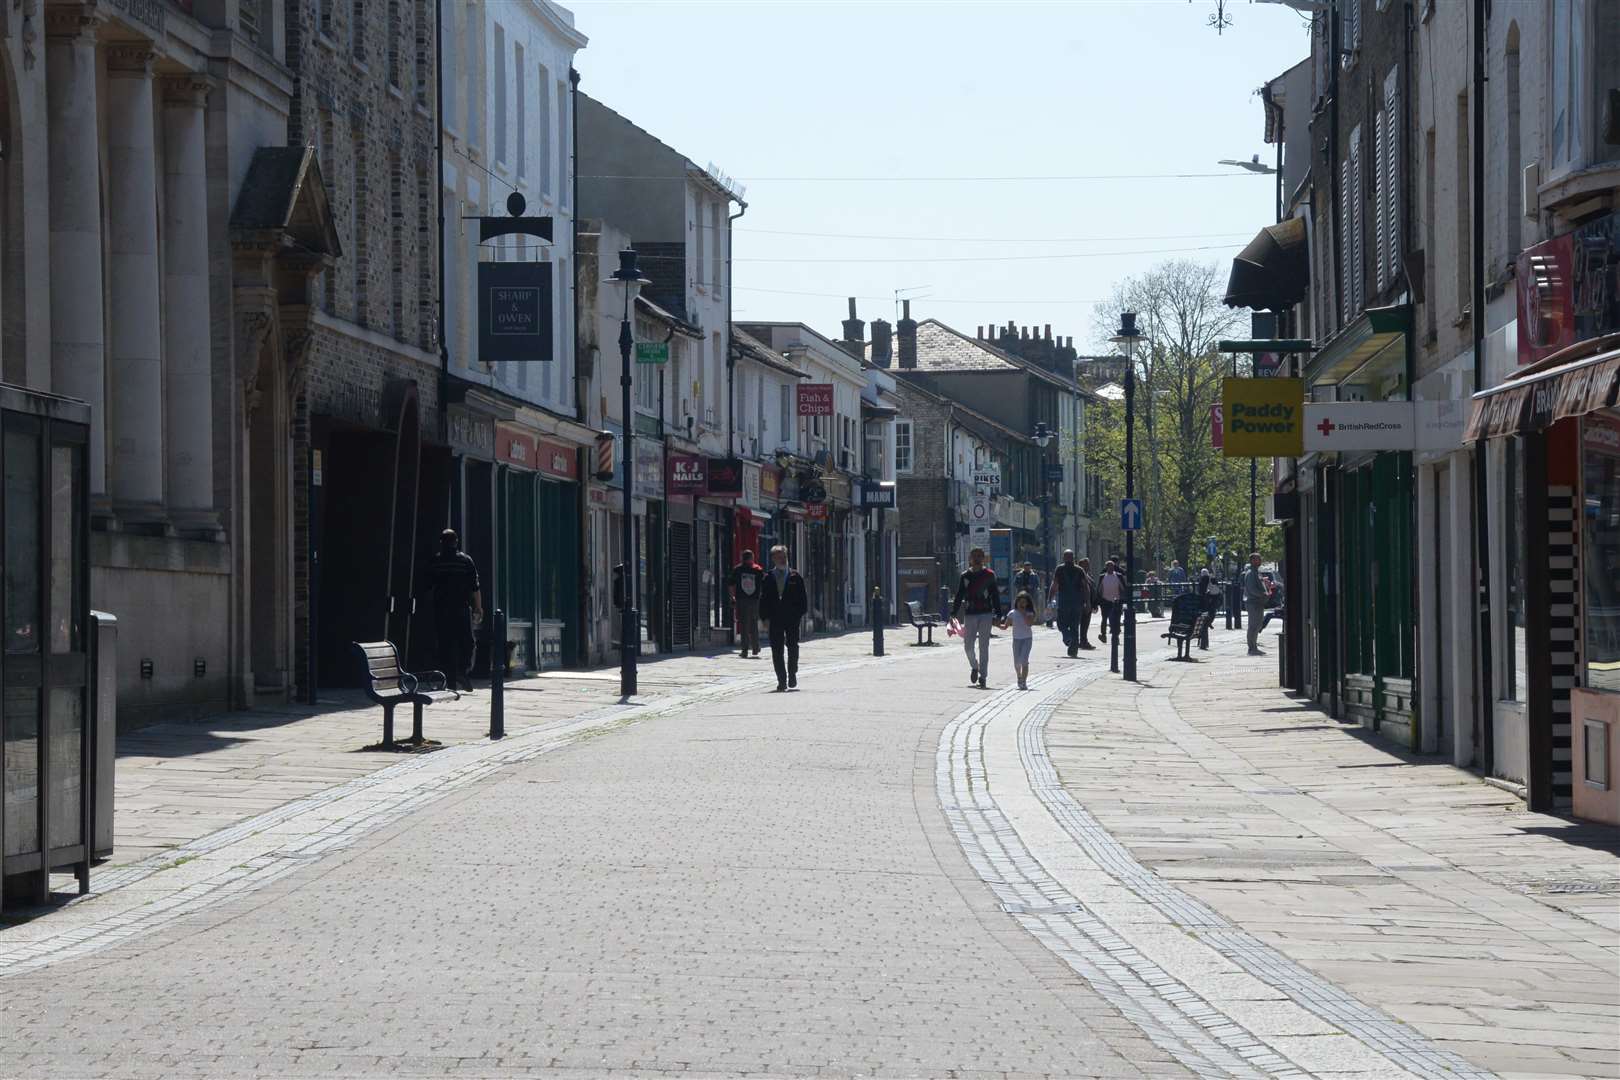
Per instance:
(538,582)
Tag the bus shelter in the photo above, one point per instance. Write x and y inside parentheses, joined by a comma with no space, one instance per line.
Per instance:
(47,753)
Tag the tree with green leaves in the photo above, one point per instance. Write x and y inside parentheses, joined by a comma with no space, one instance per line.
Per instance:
(1190,490)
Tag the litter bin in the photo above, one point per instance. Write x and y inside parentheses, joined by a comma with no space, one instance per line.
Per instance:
(106,729)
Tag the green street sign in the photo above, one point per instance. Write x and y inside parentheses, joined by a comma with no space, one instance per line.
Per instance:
(652,352)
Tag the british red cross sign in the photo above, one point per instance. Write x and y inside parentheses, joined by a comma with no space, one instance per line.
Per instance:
(1325,427)
(815,399)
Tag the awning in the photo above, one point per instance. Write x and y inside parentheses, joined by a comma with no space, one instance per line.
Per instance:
(1571,382)
(1273,272)
(1375,341)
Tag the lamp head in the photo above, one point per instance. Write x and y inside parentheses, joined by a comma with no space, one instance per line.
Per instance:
(628,275)
(1128,335)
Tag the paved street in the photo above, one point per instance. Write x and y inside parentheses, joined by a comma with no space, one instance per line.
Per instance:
(885,873)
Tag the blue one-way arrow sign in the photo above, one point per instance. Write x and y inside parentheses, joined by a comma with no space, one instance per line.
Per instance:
(1130,514)
(1212,549)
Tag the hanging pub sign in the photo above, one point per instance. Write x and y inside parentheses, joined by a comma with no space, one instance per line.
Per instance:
(514,312)
(725,477)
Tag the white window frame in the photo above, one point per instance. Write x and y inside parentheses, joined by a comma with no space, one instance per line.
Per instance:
(904,448)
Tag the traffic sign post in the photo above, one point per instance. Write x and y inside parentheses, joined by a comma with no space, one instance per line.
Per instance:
(1130,515)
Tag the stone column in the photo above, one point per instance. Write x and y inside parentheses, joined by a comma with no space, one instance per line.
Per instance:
(78,351)
(135,352)
(188,351)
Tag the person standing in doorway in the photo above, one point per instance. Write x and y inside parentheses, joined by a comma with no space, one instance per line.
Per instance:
(747,581)
(783,602)
(1112,590)
(1071,591)
(457,601)
(1255,596)
(978,602)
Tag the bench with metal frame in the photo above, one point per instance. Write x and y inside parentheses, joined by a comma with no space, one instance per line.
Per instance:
(1189,621)
(388,684)
(923,623)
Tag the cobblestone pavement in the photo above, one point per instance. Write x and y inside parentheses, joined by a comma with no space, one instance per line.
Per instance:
(886,873)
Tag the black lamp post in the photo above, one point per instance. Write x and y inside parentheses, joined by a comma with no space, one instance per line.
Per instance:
(628,278)
(1043,437)
(1128,337)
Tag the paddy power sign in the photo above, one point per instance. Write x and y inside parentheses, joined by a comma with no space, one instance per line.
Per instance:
(1263,417)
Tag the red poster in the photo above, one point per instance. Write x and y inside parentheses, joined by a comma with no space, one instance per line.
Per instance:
(815,399)
(816,511)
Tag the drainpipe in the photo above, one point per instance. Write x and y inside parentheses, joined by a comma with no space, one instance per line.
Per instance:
(573,247)
(731,363)
(438,184)
(1487,689)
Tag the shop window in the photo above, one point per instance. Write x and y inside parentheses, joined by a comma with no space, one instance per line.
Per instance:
(1600,556)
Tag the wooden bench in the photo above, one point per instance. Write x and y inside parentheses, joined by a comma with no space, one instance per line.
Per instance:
(1188,621)
(386,683)
(923,623)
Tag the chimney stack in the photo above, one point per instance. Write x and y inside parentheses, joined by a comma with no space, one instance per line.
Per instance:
(881,343)
(854,332)
(906,332)
(978,334)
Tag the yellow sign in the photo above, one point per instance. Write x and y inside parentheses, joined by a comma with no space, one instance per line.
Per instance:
(1264,417)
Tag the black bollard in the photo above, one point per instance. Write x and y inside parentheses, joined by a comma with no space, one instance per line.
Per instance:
(877,621)
(497,674)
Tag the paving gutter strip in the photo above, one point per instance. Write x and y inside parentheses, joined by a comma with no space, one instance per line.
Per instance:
(1400,1043)
(1171,1015)
(377,799)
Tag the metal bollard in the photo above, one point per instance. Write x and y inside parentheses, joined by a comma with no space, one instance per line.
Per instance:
(497,674)
(877,621)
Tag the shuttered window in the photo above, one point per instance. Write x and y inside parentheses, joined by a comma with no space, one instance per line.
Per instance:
(1358,227)
(1392,177)
(1381,130)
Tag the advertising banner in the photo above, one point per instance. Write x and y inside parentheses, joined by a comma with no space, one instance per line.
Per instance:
(514,312)
(815,399)
(514,447)
(1263,417)
(725,477)
(1001,555)
(1569,288)
(1217,427)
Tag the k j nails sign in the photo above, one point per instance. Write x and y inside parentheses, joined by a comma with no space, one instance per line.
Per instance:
(514,312)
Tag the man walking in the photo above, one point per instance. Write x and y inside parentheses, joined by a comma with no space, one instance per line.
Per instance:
(1027,580)
(979,602)
(1254,601)
(783,602)
(1112,591)
(1178,576)
(457,600)
(1071,590)
(747,579)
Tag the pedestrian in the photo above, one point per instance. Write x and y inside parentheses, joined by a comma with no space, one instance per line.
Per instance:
(1178,576)
(1112,591)
(1071,591)
(1027,580)
(1023,619)
(457,602)
(1254,601)
(747,578)
(1150,585)
(978,601)
(783,603)
(1209,591)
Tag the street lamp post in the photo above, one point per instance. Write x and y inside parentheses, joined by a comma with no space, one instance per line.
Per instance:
(1043,436)
(629,280)
(1128,337)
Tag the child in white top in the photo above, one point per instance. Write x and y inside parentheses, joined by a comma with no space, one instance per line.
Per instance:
(1022,617)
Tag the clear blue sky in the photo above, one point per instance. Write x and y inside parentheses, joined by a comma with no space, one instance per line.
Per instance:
(772,91)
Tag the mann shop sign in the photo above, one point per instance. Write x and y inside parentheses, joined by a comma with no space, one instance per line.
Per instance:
(1263,417)
(514,312)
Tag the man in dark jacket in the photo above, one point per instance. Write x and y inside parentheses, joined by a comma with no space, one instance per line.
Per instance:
(782,603)
(747,579)
(978,600)
(457,600)
(1071,589)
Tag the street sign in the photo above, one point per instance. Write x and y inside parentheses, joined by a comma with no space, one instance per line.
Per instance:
(980,512)
(652,352)
(815,399)
(1212,549)
(1130,514)
(1001,554)
(987,476)
(1054,473)
(1217,426)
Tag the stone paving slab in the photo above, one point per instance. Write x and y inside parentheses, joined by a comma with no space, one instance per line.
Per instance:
(1407,882)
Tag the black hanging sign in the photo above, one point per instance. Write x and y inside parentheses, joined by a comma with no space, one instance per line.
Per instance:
(514,312)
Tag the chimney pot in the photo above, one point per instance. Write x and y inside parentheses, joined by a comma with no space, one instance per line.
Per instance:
(905,333)
(852,307)
(905,305)
(882,343)
(1048,334)
(854,332)
(979,333)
